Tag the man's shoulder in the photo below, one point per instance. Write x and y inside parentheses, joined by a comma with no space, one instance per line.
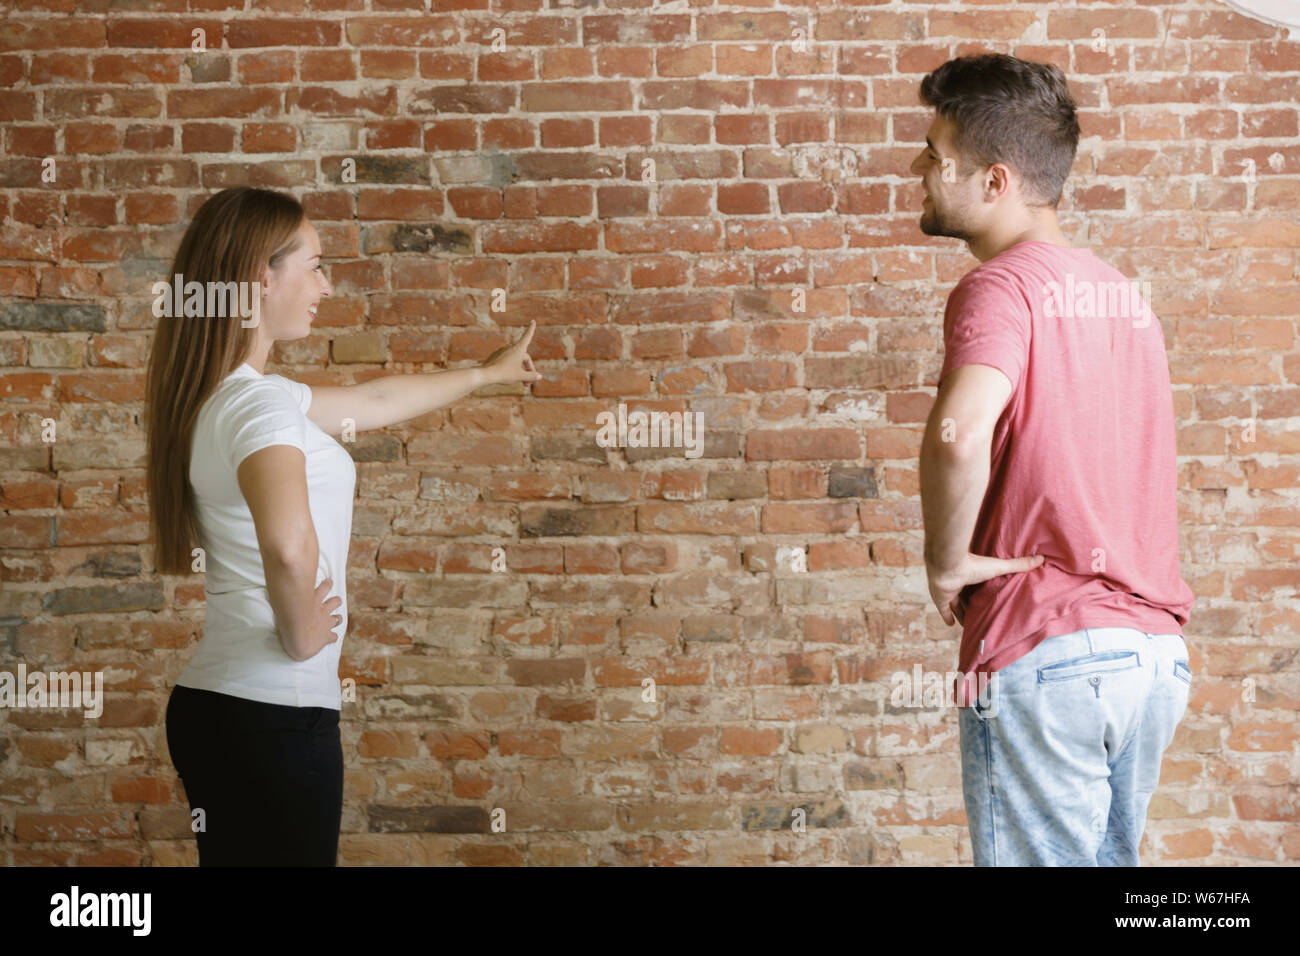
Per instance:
(1031,269)
(997,278)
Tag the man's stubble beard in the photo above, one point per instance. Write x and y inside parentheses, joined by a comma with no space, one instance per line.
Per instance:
(934,225)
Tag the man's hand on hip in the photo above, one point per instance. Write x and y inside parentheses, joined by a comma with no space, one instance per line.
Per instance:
(946,586)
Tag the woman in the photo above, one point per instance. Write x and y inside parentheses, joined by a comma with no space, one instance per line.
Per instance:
(241,464)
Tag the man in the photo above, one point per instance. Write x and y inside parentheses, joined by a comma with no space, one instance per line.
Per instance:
(1048,480)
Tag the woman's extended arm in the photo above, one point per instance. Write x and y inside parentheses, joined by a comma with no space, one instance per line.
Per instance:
(396,398)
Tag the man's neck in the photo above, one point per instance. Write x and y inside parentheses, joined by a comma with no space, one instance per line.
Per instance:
(998,241)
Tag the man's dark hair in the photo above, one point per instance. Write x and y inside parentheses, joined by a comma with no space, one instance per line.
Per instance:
(1008,110)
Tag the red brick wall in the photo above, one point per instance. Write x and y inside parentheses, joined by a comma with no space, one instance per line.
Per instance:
(775,171)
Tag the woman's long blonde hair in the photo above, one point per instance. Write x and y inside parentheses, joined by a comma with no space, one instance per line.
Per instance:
(234,236)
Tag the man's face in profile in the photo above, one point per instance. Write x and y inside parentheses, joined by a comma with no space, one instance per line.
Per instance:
(950,197)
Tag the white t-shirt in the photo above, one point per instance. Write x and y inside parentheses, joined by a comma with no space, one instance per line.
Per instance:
(240,653)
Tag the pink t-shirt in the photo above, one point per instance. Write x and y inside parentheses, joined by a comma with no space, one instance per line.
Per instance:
(1083,467)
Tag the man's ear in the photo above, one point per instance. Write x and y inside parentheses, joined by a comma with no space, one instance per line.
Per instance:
(995,181)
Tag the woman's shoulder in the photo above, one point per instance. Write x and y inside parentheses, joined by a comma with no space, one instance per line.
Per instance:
(255,395)
(299,392)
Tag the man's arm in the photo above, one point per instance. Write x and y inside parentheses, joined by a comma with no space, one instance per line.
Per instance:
(954,462)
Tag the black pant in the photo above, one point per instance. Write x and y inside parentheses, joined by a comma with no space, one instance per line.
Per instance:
(269,778)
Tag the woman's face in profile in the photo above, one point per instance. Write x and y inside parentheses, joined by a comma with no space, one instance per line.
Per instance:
(294,289)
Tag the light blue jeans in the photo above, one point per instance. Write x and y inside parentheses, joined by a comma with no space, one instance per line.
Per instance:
(1060,758)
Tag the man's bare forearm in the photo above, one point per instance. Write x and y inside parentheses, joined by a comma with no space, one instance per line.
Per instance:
(398,398)
(954,479)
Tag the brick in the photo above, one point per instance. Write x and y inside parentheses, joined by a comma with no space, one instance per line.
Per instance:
(48,34)
(72,827)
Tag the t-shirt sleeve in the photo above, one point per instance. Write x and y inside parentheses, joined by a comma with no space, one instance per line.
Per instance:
(987,322)
(301,393)
(258,416)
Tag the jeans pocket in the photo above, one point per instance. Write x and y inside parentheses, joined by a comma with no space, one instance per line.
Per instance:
(1183,672)
(1101,662)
